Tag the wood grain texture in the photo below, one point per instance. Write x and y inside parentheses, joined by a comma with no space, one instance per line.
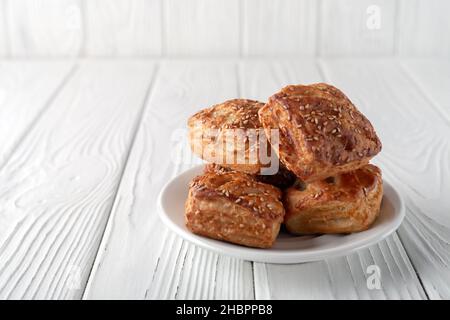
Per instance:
(415,158)
(138,252)
(348,27)
(342,278)
(123,28)
(271,28)
(337,278)
(26,90)
(202,27)
(428,237)
(424,28)
(58,185)
(45,27)
(432,77)
(48,28)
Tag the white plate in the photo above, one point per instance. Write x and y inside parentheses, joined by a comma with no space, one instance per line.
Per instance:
(287,248)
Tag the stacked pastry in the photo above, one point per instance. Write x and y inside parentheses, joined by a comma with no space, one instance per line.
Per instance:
(324,184)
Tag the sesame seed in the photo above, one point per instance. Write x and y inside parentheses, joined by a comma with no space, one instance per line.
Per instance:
(316,138)
(238,200)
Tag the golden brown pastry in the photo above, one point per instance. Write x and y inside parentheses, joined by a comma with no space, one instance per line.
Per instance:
(349,202)
(234,207)
(212,130)
(321,132)
(282,179)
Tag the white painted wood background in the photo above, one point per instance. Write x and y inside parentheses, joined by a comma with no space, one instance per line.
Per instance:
(85,141)
(85,150)
(231,28)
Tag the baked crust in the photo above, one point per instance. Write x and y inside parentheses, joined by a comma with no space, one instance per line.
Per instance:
(282,179)
(234,207)
(349,202)
(321,132)
(209,129)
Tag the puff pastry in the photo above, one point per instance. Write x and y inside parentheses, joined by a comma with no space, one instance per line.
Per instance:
(234,207)
(228,134)
(349,202)
(321,133)
(282,179)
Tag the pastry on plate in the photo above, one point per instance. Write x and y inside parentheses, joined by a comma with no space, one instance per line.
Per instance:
(231,135)
(234,207)
(321,133)
(348,202)
(282,179)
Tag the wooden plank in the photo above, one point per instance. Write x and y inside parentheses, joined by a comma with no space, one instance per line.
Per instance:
(138,257)
(423,28)
(45,28)
(415,158)
(337,278)
(427,238)
(123,28)
(26,90)
(59,183)
(271,29)
(432,77)
(350,27)
(202,27)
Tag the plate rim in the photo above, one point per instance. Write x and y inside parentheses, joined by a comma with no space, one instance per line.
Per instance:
(273,255)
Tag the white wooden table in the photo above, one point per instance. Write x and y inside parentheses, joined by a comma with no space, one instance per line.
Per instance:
(85,149)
